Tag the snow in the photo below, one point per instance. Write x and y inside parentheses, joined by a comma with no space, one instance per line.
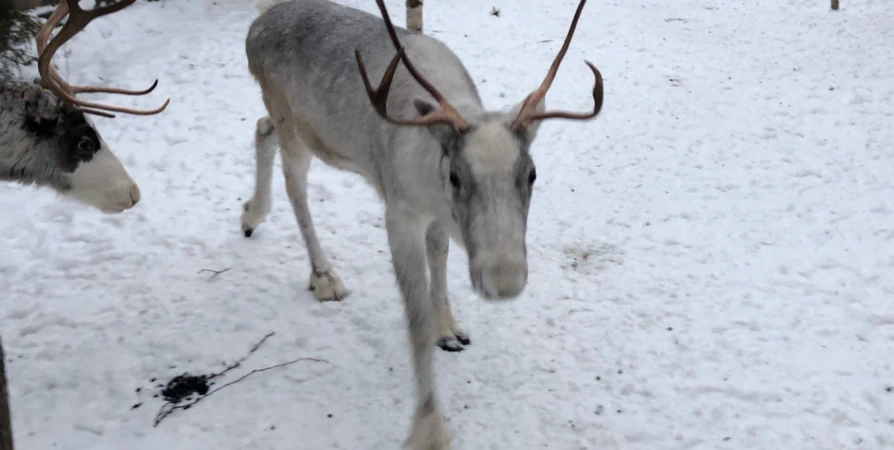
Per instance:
(710,260)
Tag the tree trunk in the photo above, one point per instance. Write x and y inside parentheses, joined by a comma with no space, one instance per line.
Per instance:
(5,418)
(414,16)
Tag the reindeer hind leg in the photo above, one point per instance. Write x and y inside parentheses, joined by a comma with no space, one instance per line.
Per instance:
(255,210)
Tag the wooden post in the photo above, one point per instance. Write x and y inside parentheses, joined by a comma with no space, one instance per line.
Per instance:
(5,418)
(835,5)
(414,16)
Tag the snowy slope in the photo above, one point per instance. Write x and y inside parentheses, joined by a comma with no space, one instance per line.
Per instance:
(711,261)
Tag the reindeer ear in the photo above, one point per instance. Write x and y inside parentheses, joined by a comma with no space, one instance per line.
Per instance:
(531,132)
(41,107)
(445,134)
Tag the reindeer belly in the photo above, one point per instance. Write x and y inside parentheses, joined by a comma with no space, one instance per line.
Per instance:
(325,151)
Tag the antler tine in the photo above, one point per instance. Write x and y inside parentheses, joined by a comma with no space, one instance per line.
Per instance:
(77,21)
(94,13)
(446,114)
(43,36)
(598,97)
(111,90)
(527,113)
(379,98)
(388,25)
(55,82)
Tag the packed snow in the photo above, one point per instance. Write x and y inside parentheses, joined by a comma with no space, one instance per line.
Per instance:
(711,260)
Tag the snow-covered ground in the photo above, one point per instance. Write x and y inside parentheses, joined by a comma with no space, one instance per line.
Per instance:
(711,261)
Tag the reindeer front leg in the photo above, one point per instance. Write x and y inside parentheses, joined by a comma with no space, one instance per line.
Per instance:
(451,337)
(406,237)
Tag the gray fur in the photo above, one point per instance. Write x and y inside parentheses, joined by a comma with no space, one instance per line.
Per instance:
(28,156)
(49,144)
(301,53)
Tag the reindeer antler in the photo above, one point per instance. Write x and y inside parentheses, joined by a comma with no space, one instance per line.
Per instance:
(528,114)
(446,114)
(78,19)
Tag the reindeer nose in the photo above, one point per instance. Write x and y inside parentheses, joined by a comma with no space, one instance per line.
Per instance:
(504,280)
(134,195)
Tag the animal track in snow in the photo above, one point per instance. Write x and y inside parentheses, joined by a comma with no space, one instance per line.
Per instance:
(593,257)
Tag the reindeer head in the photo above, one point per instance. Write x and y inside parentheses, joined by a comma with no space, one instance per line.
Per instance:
(84,168)
(490,175)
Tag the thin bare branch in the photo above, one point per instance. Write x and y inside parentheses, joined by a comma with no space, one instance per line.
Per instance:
(168,408)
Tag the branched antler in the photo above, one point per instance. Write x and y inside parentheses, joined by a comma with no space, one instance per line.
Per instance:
(528,114)
(445,114)
(78,19)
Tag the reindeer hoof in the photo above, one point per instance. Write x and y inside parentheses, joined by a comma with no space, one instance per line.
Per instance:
(428,433)
(327,286)
(452,337)
(252,216)
(450,344)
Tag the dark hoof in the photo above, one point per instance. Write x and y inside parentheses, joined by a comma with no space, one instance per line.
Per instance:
(248,232)
(464,340)
(450,344)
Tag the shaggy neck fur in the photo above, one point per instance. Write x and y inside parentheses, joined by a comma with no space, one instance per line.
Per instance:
(37,135)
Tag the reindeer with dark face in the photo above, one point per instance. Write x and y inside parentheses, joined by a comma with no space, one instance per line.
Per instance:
(46,136)
(443,168)
(47,139)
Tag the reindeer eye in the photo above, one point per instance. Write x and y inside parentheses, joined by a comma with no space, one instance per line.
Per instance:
(86,145)
(532,176)
(454,180)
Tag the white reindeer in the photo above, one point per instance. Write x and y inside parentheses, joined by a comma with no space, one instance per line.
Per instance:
(46,136)
(442,168)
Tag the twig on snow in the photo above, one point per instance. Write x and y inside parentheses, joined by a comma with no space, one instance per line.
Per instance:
(242,360)
(168,408)
(215,272)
